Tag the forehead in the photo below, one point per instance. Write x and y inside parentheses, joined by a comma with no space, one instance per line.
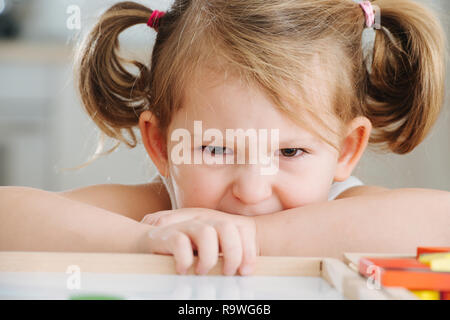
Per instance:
(223,99)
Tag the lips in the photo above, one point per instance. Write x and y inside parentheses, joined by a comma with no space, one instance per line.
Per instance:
(248,212)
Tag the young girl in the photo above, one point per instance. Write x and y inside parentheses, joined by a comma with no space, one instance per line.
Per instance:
(300,68)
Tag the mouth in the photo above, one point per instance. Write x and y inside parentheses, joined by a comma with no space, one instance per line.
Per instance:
(248,213)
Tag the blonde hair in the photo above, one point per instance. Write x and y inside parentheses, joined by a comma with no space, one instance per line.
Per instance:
(278,46)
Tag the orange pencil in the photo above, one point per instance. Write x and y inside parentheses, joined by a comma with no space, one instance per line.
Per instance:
(395,263)
(407,273)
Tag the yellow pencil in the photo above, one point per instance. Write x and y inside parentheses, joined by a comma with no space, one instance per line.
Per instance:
(427,294)
(428,257)
(440,265)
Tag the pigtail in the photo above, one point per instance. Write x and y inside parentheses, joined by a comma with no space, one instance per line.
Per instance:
(112,96)
(405,91)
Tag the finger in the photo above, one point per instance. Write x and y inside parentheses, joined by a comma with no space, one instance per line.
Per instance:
(182,251)
(248,238)
(204,238)
(170,241)
(231,245)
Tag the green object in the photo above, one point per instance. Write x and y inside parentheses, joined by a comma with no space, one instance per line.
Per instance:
(94,297)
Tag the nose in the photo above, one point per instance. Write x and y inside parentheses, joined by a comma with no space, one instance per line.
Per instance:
(250,187)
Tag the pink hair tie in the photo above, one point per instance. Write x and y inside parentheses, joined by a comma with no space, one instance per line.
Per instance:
(368,12)
(153,22)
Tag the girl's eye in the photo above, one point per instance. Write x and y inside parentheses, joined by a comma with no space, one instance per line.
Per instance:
(292,152)
(216,150)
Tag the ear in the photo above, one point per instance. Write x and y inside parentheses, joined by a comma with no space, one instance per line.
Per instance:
(352,147)
(154,142)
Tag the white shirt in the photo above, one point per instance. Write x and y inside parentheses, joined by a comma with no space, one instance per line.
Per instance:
(338,187)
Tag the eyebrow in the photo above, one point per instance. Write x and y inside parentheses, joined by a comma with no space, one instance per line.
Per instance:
(295,142)
(224,139)
(300,141)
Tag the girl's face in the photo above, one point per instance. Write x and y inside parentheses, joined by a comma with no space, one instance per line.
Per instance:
(306,165)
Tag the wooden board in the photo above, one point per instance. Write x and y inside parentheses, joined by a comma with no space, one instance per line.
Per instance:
(337,274)
(142,263)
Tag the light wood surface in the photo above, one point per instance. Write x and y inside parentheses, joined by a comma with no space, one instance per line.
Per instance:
(11,261)
(347,281)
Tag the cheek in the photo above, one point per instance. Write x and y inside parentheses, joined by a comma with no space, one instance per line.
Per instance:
(305,193)
(307,183)
(196,187)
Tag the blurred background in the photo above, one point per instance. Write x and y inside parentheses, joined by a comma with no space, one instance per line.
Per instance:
(44,129)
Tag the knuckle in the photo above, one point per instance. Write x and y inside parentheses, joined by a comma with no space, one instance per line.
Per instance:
(246,229)
(206,231)
(162,220)
(226,227)
(232,248)
(178,239)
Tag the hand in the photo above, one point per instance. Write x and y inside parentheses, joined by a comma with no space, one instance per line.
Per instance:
(209,232)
